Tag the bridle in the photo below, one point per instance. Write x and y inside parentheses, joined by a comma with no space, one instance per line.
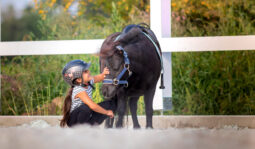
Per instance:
(116,81)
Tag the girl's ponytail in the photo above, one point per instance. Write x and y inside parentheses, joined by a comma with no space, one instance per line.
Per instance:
(67,108)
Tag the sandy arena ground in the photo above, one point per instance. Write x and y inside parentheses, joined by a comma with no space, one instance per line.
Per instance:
(40,135)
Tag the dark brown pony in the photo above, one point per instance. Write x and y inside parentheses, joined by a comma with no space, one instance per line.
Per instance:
(145,66)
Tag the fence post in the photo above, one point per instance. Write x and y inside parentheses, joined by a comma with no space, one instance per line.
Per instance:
(161,25)
(0,84)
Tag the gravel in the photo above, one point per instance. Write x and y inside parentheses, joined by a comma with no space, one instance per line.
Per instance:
(40,135)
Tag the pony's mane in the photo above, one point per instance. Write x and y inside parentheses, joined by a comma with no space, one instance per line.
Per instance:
(127,35)
(108,45)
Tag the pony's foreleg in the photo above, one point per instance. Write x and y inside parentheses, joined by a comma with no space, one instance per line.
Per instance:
(121,108)
(109,122)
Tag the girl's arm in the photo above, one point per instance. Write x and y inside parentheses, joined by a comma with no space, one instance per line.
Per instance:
(92,105)
(100,77)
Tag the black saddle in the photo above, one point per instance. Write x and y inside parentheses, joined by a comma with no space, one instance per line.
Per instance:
(144,27)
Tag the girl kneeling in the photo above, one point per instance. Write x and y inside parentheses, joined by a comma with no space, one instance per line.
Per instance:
(79,108)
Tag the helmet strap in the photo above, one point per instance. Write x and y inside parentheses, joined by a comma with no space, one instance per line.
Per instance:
(82,84)
(91,85)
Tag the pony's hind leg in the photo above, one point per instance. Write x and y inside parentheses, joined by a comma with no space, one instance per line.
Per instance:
(133,110)
(148,100)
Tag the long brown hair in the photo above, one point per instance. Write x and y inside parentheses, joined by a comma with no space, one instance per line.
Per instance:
(67,108)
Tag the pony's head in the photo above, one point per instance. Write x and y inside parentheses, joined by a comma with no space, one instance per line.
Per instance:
(113,58)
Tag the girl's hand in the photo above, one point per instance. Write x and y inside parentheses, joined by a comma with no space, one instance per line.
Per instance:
(110,113)
(106,71)
(100,77)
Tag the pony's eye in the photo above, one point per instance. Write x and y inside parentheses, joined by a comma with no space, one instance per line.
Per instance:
(120,52)
(110,61)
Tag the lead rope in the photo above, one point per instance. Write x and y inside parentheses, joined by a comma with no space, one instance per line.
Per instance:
(127,115)
(161,61)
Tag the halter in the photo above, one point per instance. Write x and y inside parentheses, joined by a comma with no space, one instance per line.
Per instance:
(116,81)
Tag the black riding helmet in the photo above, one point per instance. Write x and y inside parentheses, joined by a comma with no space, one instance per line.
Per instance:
(74,70)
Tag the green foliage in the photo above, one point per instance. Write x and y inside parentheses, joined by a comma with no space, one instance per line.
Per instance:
(17,29)
(36,80)
(212,17)
(29,82)
(117,21)
(53,20)
(214,82)
(203,82)
(100,10)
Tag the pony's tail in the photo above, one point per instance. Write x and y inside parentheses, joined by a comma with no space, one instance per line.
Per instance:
(66,108)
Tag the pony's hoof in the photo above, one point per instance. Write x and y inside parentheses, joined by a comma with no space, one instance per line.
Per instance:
(137,127)
(149,127)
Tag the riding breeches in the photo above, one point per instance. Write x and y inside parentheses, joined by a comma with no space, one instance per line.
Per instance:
(84,115)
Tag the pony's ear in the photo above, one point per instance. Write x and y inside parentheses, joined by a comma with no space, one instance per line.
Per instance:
(125,37)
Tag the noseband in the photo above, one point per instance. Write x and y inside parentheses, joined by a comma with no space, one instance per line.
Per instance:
(116,81)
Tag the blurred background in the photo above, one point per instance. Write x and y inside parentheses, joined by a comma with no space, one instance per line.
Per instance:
(204,83)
